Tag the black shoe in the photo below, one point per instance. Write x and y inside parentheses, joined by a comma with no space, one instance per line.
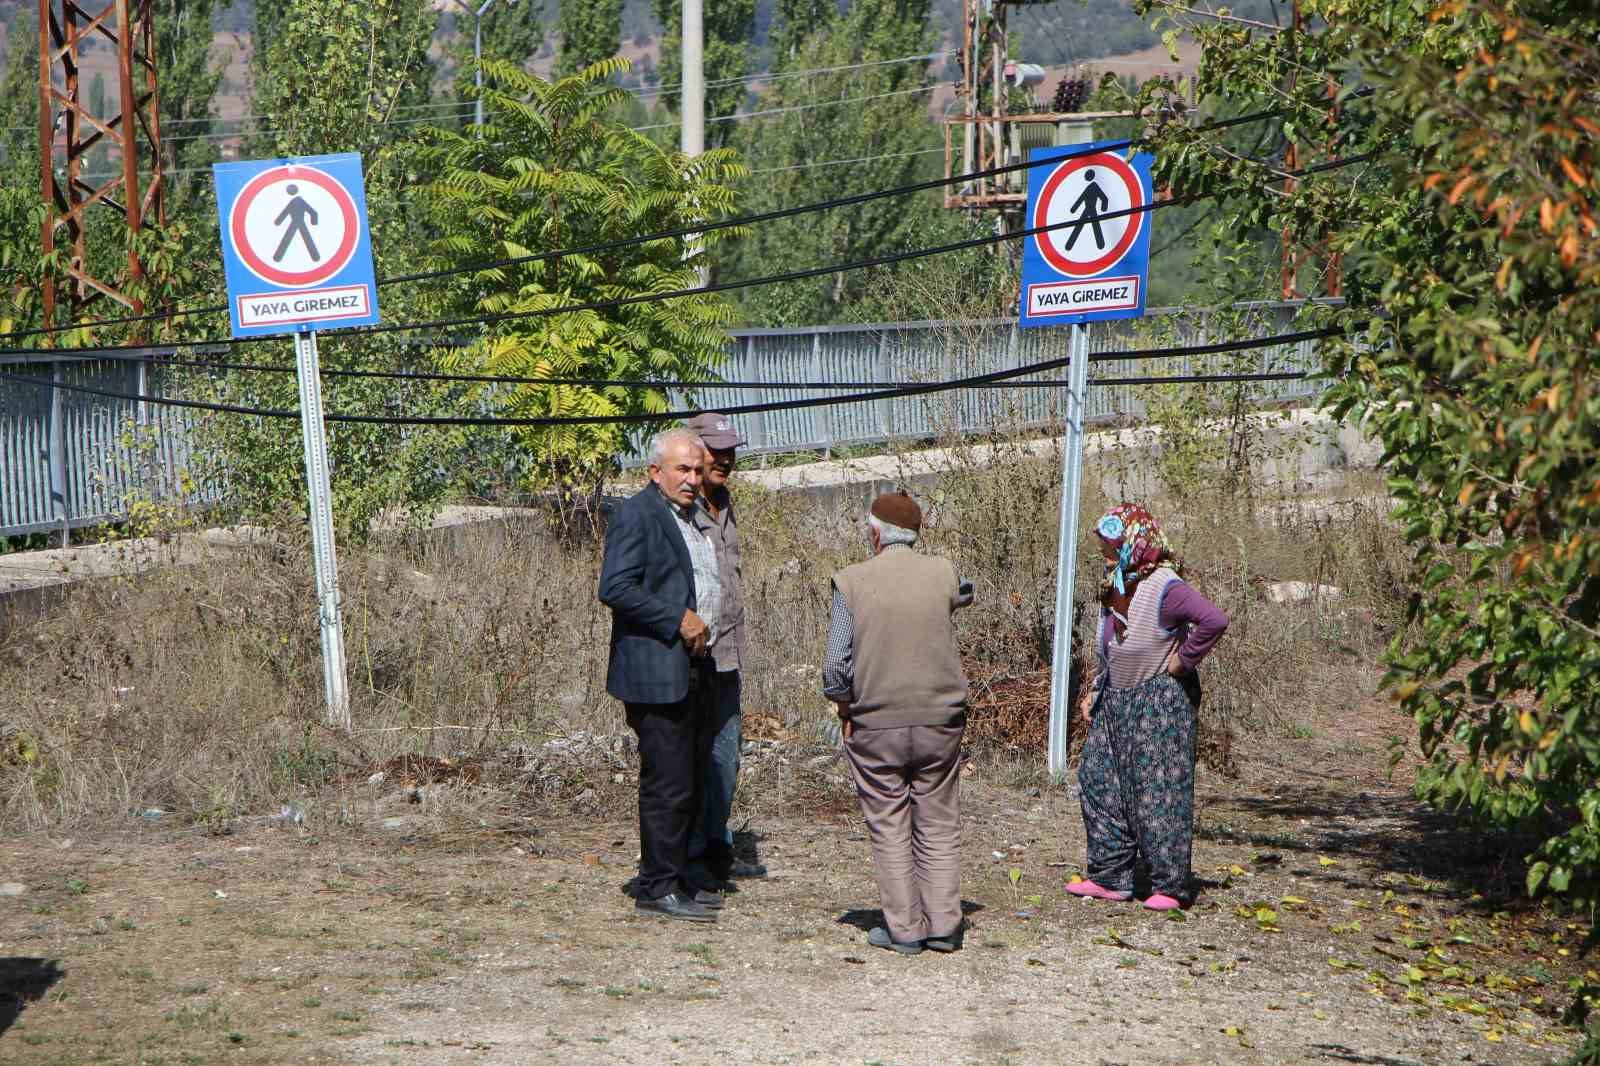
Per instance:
(711,901)
(948,943)
(742,869)
(879,937)
(675,905)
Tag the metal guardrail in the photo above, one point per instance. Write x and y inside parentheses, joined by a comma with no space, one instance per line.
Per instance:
(935,351)
(70,460)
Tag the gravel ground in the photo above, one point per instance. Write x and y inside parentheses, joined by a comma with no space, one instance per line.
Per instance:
(1340,923)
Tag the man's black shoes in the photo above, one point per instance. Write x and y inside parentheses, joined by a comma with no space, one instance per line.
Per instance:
(711,901)
(675,905)
(948,943)
(879,937)
(743,870)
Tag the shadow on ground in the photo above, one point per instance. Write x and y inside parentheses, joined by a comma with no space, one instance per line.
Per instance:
(866,919)
(23,980)
(1391,830)
(1340,1053)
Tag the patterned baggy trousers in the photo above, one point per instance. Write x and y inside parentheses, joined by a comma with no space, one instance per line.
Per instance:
(1136,781)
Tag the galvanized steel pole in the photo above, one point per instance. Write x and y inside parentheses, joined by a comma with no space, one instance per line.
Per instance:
(1067,549)
(314,432)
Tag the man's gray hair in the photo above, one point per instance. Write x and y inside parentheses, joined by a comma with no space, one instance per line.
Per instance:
(889,533)
(668,437)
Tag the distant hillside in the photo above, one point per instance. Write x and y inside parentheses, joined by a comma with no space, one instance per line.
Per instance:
(1055,35)
(1067,31)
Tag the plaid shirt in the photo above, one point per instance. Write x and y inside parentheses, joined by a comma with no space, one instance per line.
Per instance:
(703,557)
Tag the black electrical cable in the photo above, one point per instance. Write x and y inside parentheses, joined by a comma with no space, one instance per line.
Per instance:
(1203,379)
(598,383)
(973,381)
(795,275)
(705,227)
(811,272)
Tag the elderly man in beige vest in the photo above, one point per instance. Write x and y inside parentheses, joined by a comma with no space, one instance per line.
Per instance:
(893,670)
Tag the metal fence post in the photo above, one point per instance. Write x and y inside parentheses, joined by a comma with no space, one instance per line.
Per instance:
(56,455)
(885,410)
(824,414)
(758,433)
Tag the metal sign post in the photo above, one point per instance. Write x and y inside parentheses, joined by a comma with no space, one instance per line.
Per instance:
(1091,262)
(297,256)
(1067,549)
(324,558)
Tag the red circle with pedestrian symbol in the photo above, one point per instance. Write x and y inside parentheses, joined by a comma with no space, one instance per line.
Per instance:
(1082,192)
(294,226)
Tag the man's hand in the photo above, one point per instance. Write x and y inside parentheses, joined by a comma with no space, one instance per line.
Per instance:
(845,725)
(694,633)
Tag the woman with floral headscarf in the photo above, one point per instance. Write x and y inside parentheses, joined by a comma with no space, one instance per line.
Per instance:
(1136,775)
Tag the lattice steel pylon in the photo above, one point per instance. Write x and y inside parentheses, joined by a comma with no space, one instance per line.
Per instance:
(69,129)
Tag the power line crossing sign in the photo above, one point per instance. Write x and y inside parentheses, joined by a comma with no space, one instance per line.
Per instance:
(1093,262)
(295,247)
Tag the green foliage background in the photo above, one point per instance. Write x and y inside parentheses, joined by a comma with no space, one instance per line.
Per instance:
(1467,244)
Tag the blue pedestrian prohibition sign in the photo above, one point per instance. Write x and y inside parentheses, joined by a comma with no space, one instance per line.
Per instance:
(295,246)
(1093,261)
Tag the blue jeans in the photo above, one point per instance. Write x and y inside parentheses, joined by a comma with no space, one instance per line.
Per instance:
(710,839)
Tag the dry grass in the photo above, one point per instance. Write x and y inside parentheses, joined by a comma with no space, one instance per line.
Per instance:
(197,690)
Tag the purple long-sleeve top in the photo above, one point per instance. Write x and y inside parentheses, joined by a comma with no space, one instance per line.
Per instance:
(1182,606)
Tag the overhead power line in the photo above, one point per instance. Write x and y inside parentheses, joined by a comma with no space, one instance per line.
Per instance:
(796,275)
(712,225)
(740,117)
(161,361)
(847,162)
(897,392)
(807,73)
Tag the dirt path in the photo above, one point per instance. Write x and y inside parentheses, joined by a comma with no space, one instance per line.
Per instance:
(1341,925)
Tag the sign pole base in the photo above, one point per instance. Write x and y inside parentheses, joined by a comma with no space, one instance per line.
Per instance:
(1067,549)
(314,432)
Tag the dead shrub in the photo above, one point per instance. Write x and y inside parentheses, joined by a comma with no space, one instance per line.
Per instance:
(197,690)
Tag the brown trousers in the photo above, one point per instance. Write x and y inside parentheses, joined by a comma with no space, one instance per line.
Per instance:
(908,781)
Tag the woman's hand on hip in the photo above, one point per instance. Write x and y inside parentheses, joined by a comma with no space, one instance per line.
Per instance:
(1175,665)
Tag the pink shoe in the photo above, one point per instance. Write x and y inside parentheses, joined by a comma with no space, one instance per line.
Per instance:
(1090,890)
(1160,902)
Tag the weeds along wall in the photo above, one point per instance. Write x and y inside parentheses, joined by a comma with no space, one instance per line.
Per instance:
(197,691)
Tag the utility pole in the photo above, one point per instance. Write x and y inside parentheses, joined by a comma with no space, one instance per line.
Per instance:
(693,96)
(694,79)
(477,51)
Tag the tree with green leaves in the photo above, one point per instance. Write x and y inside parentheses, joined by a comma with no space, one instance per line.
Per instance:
(819,148)
(553,170)
(726,56)
(591,31)
(21,212)
(331,75)
(1463,230)
(187,78)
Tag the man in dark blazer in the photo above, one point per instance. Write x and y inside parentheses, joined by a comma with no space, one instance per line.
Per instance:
(659,667)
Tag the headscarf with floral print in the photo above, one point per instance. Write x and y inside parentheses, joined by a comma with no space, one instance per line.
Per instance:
(1141,549)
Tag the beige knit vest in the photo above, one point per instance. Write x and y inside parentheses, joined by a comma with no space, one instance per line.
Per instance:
(1145,646)
(907,668)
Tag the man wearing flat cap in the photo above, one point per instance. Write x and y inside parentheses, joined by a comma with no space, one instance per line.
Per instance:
(711,856)
(893,670)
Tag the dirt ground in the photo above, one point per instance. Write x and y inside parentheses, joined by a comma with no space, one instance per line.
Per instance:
(1340,923)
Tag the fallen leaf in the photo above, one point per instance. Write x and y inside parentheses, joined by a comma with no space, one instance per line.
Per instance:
(852,958)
